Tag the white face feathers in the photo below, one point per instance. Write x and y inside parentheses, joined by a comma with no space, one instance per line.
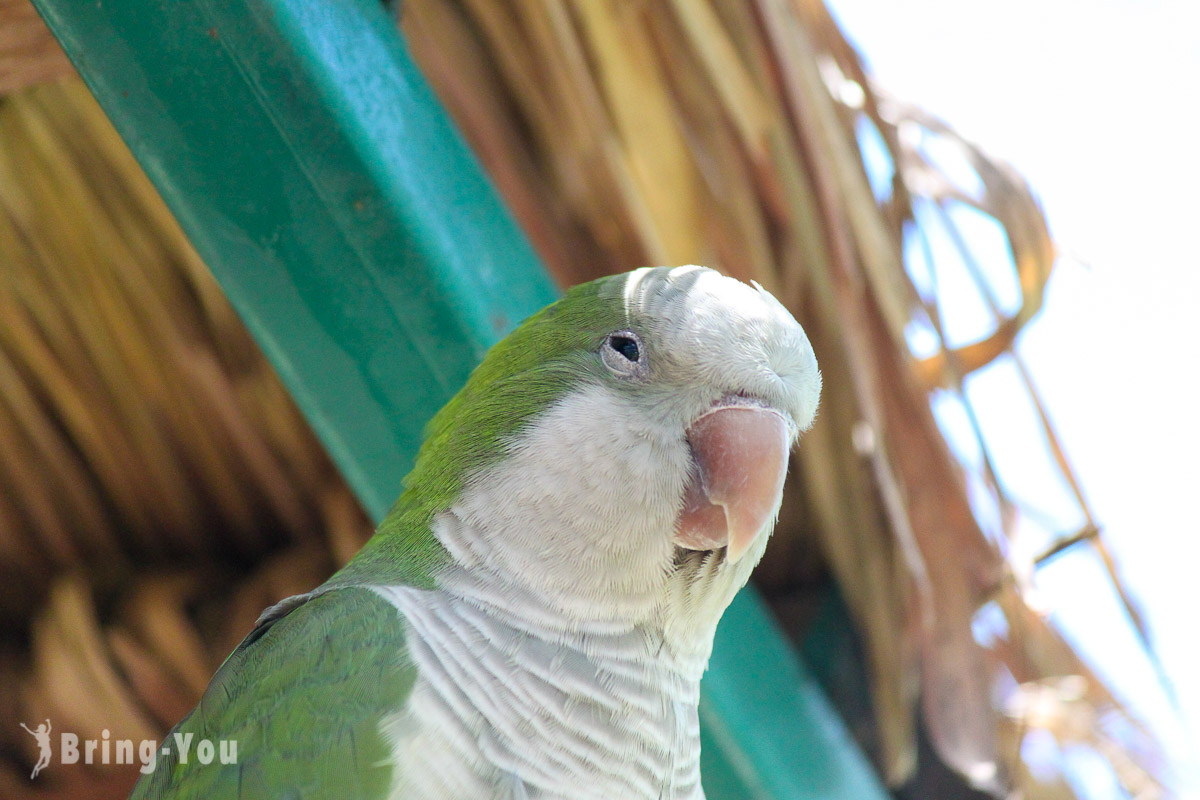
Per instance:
(645,494)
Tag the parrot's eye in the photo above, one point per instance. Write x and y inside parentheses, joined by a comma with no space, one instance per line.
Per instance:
(624,354)
(626,346)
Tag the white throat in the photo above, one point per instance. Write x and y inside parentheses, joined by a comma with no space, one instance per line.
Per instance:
(578,523)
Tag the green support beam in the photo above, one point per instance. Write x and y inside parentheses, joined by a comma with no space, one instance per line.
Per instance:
(319,178)
(311,166)
(766,728)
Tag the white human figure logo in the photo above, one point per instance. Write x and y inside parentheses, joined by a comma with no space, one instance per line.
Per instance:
(42,734)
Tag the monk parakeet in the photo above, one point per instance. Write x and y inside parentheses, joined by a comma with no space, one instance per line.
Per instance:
(532,618)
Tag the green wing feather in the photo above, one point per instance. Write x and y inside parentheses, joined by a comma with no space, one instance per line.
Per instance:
(302,696)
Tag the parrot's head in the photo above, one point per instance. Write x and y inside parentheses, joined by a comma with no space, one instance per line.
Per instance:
(621,455)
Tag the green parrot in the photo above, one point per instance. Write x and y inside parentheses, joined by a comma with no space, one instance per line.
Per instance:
(532,618)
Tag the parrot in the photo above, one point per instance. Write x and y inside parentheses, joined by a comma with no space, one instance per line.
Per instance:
(533,616)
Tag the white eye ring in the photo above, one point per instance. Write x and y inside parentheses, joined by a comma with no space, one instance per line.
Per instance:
(624,354)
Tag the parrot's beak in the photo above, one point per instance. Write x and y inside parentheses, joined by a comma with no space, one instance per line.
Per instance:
(741,455)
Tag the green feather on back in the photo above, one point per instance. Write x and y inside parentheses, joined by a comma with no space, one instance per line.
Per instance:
(303,699)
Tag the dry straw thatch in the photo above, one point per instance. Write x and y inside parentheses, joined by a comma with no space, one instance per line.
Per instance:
(158,488)
(28,52)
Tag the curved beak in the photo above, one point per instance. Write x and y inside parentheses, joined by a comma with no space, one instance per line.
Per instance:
(741,455)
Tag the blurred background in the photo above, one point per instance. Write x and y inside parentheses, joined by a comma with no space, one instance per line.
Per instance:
(977,212)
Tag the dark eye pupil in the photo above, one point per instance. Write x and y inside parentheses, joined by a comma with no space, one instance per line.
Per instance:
(626,347)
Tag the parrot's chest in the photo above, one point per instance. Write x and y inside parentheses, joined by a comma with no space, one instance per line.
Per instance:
(499,710)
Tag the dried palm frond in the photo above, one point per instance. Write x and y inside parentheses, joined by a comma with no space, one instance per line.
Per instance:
(142,424)
(28,52)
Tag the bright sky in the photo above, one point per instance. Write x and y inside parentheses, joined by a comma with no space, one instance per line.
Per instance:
(1098,106)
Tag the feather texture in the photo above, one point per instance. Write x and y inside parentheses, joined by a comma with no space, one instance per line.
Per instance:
(301,697)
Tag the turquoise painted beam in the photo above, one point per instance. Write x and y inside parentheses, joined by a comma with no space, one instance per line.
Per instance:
(766,724)
(319,178)
(312,168)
